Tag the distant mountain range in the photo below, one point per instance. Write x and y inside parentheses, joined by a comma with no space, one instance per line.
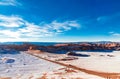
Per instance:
(35,43)
(62,47)
(51,43)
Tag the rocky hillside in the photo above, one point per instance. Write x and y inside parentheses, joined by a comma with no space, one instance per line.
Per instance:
(63,48)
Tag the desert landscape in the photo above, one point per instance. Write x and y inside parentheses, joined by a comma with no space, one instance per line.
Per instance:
(33,63)
(26,66)
(105,65)
(59,39)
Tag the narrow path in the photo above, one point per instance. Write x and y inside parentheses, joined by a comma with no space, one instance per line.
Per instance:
(101,74)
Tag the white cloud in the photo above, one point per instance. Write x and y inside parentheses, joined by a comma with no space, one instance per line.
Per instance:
(13,29)
(9,2)
(109,18)
(32,30)
(61,26)
(9,33)
(111,32)
(114,34)
(102,19)
(11,21)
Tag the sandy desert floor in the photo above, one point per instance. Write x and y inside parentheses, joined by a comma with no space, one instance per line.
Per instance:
(29,65)
(101,64)
(26,66)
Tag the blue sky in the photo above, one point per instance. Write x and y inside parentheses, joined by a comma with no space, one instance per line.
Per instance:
(59,20)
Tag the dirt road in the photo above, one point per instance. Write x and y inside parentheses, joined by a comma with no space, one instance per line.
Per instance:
(101,74)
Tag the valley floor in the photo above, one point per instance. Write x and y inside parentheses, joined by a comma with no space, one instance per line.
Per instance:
(29,65)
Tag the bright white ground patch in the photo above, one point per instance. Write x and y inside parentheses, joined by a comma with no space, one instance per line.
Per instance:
(23,65)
